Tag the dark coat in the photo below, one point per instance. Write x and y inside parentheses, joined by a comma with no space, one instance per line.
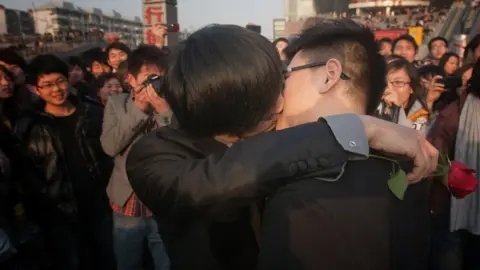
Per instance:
(51,189)
(203,193)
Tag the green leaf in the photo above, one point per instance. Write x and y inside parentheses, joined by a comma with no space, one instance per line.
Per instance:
(398,184)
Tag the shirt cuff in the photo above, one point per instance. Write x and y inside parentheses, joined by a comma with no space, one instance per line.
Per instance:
(349,131)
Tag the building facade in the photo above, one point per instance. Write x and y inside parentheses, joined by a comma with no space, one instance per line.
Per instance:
(295,10)
(16,22)
(60,18)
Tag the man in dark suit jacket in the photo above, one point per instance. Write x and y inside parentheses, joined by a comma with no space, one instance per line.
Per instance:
(202,178)
(353,222)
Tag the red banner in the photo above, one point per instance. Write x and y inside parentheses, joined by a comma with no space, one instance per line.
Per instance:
(392,34)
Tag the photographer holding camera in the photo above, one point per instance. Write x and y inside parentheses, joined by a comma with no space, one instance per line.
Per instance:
(128,117)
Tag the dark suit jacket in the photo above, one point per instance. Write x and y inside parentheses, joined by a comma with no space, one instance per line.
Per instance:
(352,223)
(200,191)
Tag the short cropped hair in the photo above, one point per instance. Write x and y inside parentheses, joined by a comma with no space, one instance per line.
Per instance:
(355,47)
(44,65)
(385,40)
(408,38)
(11,57)
(74,61)
(146,55)
(119,46)
(94,55)
(437,39)
(224,79)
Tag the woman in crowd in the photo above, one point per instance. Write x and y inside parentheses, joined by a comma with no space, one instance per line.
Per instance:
(449,63)
(281,44)
(456,231)
(107,85)
(403,100)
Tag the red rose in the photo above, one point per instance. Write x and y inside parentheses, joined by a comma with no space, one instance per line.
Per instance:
(461,180)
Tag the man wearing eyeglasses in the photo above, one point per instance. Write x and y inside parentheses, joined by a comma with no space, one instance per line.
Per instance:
(353,222)
(66,189)
(127,118)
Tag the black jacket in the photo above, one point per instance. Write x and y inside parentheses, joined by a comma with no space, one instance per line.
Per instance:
(353,223)
(201,192)
(50,185)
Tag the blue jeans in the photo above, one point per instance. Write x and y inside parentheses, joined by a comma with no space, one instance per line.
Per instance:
(130,235)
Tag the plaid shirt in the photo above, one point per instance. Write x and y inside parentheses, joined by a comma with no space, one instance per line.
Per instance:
(133,208)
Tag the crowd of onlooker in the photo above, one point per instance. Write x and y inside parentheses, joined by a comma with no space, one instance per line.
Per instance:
(80,188)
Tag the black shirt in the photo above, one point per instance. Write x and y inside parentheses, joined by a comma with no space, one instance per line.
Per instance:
(84,187)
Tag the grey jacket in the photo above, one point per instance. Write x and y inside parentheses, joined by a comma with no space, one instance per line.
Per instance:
(123,124)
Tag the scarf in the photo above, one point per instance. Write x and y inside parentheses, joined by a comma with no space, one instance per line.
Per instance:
(419,117)
(465,213)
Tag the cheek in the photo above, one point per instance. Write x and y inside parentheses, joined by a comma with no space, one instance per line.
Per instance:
(403,94)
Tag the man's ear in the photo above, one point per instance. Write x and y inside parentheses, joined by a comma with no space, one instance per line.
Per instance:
(333,69)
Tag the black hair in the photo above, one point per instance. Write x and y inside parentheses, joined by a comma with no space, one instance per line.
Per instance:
(225,80)
(405,37)
(437,39)
(43,65)
(11,57)
(94,55)
(278,40)
(430,71)
(418,91)
(119,46)
(443,61)
(472,46)
(146,55)
(74,61)
(474,82)
(385,40)
(8,73)
(355,47)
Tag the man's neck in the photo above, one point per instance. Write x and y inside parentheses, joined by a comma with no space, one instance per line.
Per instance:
(60,111)
(327,108)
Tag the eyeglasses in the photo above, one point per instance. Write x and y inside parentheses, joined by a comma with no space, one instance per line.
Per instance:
(289,70)
(399,83)
(60,83)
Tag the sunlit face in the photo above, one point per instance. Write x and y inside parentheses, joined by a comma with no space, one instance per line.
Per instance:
(115,57)
(281,45)
(111,87)
(451,65)
(300,93)
(438,49)
(98,69)
(75,75)
(145,72)
(17,72)
(399,82)
(53,89)
(385,48)
(6,86)
(405,49)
